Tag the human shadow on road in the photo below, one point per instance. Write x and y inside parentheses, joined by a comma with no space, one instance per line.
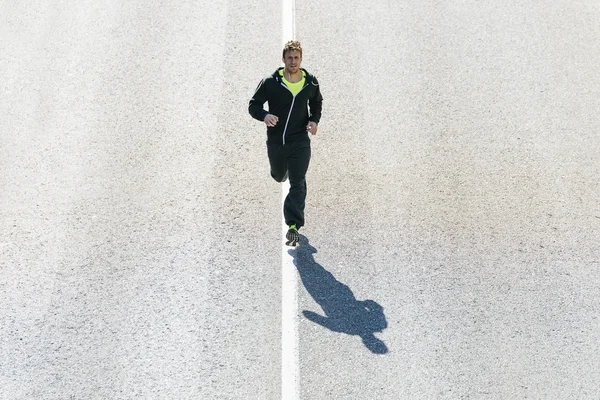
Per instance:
(343,313)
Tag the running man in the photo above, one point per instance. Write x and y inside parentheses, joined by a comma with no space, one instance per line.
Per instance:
(295,103)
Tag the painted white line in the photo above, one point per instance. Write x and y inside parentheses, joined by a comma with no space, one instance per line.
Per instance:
(288,8)
(290,362)
(290,369)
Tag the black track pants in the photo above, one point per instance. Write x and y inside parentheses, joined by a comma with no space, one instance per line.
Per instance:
(291,159)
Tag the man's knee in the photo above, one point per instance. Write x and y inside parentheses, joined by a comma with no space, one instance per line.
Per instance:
(280,177)
(298,183)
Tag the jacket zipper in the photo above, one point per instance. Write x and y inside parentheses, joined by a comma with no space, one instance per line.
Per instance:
(291,107)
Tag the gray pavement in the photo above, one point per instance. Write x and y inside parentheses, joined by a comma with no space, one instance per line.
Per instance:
(452,219)
(124,273)
(459,147)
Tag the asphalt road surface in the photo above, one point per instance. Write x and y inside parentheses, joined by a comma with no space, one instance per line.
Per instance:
(453,221)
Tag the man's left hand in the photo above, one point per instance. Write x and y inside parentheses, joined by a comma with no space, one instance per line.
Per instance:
(312,128)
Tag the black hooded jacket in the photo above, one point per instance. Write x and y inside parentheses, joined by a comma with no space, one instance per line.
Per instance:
(294,113)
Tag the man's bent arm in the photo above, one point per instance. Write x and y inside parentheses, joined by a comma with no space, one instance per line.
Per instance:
(255,108)
(316,104)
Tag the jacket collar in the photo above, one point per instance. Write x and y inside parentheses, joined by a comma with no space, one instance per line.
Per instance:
(277,75)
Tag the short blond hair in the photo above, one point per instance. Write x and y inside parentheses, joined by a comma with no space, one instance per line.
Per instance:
(292,45)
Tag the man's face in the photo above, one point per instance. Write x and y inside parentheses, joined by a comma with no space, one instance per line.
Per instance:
(292,61)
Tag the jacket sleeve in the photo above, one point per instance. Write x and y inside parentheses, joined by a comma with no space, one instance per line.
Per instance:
(255,108)
(315,103)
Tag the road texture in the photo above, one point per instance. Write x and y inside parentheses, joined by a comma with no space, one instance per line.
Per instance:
(450,249)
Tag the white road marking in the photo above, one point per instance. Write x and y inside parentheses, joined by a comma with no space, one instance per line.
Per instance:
(289,19)
(290,369)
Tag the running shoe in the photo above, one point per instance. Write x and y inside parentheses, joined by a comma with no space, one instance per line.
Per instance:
(292,236)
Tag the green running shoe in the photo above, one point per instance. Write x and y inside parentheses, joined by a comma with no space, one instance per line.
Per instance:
(292,236)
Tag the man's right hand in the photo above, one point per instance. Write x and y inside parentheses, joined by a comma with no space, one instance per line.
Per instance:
(270,120)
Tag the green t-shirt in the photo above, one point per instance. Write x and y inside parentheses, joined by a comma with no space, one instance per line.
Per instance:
(294,87)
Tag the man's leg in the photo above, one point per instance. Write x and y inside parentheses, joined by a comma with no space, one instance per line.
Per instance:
(278,161)
(297,161)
